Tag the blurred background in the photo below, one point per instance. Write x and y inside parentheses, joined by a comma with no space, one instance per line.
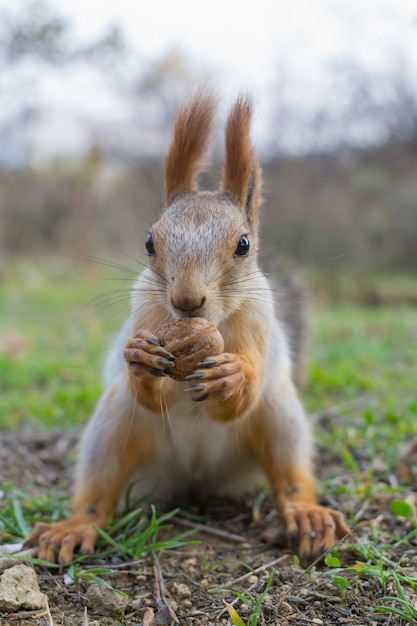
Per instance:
(89,92)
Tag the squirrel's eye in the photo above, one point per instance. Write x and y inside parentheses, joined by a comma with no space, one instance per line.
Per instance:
(150,248)
(242,247)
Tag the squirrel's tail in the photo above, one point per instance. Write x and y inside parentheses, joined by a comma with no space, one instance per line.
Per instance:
(291,295)
(291,311)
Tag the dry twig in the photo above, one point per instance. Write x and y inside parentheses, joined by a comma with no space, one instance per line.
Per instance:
(210,530)
(165,615)
(256,571)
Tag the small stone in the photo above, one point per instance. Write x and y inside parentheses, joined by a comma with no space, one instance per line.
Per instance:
(287,607)
(136,604)
(268,604)
(104,601)
(187,604)
(316,620)
(204,582)
(190,566)
(252,580)
(141,578)
(181,590)
(19,590)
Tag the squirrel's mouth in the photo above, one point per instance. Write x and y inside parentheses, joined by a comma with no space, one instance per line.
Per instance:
(185,314)
(188,314)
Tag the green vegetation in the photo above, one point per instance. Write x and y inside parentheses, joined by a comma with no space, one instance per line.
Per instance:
(376,561)
(59,326)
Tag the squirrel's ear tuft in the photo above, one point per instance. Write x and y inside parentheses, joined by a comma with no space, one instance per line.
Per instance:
(190,141)
(241,171)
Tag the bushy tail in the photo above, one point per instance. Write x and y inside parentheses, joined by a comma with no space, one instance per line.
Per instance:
(291,295)
(291,310)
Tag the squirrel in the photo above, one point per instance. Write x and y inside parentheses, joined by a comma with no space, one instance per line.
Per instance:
(238,415)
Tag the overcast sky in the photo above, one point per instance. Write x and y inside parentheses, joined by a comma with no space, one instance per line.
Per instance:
(243,45)
(248,45)
(245,40)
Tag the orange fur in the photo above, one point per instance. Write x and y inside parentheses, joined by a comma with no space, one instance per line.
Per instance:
(289,481)
(293,486)
(148,390)
(96,496)
(134,443)
(191,136)
(245,351)
(241,171)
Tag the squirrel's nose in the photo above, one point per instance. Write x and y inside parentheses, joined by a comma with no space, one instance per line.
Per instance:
(188,304)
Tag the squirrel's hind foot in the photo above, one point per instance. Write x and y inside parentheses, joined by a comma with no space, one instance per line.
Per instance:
(316,527)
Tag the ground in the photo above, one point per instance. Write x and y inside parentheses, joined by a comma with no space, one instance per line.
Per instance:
(197,580)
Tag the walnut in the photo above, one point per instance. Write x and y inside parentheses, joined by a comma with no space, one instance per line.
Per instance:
(190,340)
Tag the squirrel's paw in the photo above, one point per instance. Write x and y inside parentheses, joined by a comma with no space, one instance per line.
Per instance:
(144,354)
(58,541)
(219,375)
(316,527)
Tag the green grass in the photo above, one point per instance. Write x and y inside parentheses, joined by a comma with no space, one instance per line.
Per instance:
(365,359)
(63,328)
(360,350)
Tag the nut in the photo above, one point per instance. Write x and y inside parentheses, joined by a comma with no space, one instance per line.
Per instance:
(190,340)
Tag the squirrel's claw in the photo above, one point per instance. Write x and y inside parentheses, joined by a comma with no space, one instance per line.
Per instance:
(144,354)
(152,340)
(57,542)
(218,376)
(207,363)
(195,376)
(201,398)
(197,389)
(316,527)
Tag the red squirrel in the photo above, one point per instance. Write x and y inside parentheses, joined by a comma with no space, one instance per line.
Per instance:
(238,414)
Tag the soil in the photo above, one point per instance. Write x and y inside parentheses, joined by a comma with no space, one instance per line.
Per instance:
(181,578)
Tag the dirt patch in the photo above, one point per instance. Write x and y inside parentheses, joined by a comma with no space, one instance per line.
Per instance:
(240,560)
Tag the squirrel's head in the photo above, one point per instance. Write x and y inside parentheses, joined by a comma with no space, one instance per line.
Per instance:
(202,250)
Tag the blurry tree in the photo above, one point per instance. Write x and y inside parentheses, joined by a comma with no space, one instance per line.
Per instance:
(33,36)
(349,185)
(165,83)
(37,32)
(360,106)
(75,205)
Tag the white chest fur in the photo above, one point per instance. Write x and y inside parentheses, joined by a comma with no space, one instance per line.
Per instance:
(197,453)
